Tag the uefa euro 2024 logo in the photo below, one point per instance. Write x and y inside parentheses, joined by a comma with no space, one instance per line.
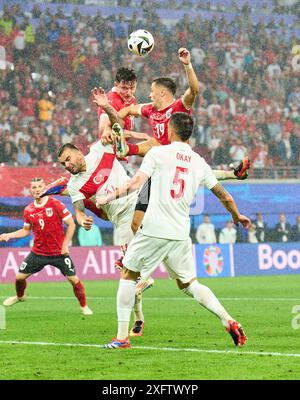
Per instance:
(213,260)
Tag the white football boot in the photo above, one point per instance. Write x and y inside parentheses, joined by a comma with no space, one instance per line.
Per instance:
(86,310)
(10,301)
(142,285)
(119,136)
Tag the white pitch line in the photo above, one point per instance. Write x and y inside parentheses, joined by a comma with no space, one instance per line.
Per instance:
(237,352)
(165,298)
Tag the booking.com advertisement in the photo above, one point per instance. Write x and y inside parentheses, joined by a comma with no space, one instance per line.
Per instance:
(267,259)
(247,259)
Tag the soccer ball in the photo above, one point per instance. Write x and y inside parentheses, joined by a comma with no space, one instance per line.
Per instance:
(140,42)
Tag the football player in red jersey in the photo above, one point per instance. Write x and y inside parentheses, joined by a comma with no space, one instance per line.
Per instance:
(45,217)
(120,96)
(162,106)
(101,100)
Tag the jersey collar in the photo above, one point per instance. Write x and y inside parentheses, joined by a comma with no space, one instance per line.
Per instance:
(162,109)
(42,204)
(176,143)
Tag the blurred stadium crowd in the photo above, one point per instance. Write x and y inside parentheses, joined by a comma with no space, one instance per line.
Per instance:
(259,232)
(250,93)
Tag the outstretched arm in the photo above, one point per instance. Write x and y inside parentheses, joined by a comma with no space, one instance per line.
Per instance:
(135,183)
(191,93)
(133,109)
(99,98)
(25,231)
(136,135)
(228,202)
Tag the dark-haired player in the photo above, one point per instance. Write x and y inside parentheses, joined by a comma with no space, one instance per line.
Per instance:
(164,235)
(162,106)
(45,217)
(120,96)
(102,101)
(97,173)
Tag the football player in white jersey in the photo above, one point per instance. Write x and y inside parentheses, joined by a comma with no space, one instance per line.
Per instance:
(101,173)
(176,172)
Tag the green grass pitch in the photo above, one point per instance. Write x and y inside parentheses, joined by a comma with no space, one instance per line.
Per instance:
(181,339)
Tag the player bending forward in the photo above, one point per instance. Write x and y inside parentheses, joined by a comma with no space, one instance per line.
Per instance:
(100,173)
(158,112)
(176,172)
(44,217)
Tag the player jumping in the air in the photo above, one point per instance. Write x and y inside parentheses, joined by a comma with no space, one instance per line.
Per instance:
(123,94)
(120,96)
(45,217)
(98,173)
(159,111)
(177,172)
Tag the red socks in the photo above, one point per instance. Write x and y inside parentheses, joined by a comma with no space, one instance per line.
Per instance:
(20,287)
(133,149)
(80,293)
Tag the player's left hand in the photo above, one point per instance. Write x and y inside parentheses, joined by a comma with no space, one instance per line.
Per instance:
(245,221)
(99,97)
(184,55)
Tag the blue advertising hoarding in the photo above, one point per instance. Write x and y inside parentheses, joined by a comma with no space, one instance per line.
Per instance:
(266,259)
(214,260)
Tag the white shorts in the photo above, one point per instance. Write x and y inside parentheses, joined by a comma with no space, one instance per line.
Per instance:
(123,234)
(145,253)
(122,221)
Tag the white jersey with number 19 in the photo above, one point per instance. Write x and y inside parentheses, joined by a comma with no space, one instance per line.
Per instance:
(176,173)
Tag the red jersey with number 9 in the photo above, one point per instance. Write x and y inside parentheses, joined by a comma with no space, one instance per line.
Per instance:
(159,119)
(46,222)
(116,101)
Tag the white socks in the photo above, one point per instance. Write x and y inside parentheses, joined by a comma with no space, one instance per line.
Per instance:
(222,175)
(206,298)
(138,312)
(125,303)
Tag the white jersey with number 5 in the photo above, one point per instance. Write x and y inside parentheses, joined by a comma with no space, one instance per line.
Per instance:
(176,173)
